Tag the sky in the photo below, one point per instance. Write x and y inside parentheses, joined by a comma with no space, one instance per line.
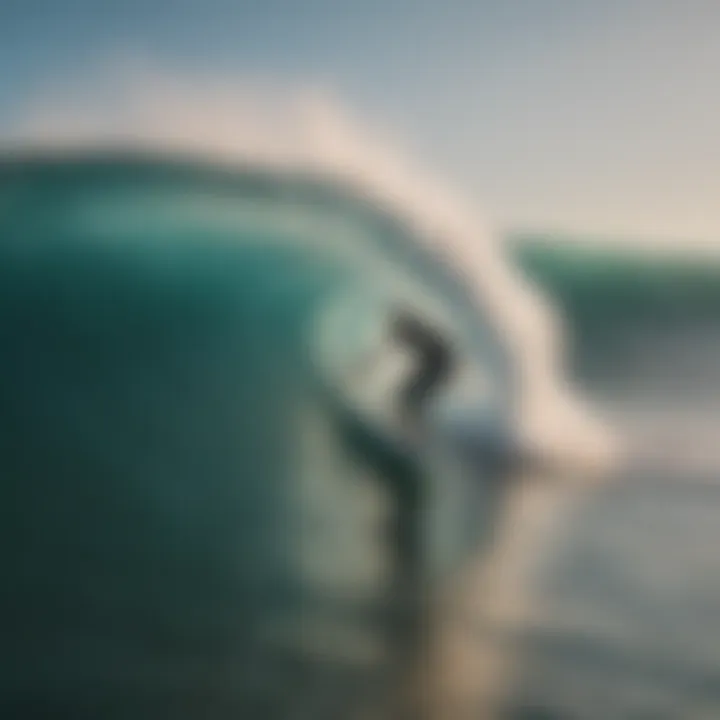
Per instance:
(584,117)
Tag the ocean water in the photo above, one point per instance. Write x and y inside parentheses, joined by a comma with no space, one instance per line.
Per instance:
(196,477)
(165,324)
(631,600)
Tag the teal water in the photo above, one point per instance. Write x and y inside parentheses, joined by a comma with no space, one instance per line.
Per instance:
(192,485)
(602,291)
(194,495)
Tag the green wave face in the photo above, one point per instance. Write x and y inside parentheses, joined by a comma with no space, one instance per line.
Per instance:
(190,481)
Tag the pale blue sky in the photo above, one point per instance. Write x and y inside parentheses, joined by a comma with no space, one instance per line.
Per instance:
(593,116)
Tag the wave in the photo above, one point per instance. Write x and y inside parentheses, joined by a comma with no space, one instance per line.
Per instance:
(594,282)
(288,134)
(202,178)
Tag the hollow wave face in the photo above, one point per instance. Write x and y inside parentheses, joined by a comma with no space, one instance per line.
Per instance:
(287,132)
(191,236)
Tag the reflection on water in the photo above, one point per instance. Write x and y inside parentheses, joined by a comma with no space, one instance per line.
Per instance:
(633,610)
(628,622)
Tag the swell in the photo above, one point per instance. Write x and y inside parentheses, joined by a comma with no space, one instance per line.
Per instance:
(646,345)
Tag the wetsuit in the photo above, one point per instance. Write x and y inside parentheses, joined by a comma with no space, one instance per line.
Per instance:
(435,362)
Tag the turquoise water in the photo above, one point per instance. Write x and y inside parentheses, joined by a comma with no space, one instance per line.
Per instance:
(165,333)
(194,491)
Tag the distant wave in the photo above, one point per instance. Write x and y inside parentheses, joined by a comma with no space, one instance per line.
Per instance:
(598,283)
(646,335)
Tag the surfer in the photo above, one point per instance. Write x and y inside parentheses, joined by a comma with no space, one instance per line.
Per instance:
(434,368)
(489,446)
